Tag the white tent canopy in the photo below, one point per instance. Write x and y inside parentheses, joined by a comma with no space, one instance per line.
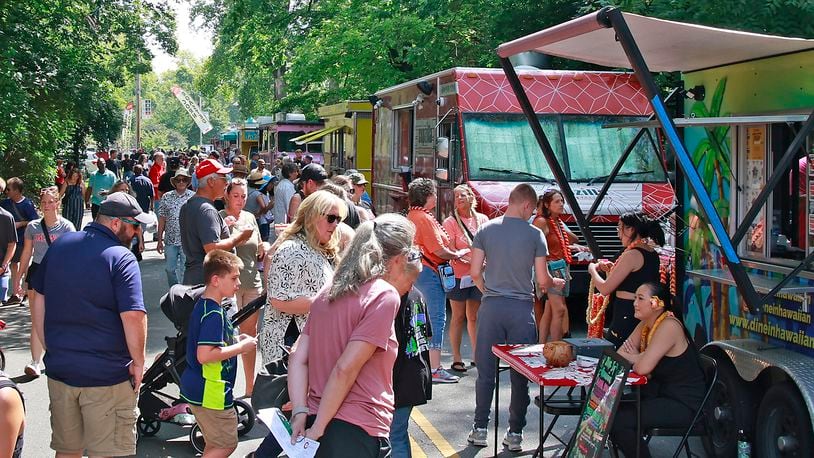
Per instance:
(665,45)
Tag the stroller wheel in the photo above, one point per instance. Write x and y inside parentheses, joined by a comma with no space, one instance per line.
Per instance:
(245,417)
(148,427)
(196,438)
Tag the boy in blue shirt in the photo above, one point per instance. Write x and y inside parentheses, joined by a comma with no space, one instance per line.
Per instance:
(212,349)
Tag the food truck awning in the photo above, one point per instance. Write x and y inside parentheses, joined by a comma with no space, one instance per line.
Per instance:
(315,135)
(665,45)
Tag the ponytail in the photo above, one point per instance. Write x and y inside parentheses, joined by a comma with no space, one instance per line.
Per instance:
(644,227)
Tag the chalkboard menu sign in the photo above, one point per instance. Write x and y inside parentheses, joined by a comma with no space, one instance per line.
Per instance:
(597,413)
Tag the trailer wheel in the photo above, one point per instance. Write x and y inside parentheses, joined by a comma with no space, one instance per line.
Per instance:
(147,427)
(783,424)
(731,406)
(245,417)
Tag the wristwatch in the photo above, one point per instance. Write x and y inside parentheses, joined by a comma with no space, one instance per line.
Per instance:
(298,410)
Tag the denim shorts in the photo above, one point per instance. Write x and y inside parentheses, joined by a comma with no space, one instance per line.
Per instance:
(465,294)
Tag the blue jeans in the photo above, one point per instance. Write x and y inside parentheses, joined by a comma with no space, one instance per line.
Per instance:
(4,284)
(429,283)
(399,436)
(175,259)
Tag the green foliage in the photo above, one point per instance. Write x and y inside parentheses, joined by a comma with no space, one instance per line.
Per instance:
(325,51)
(60,63)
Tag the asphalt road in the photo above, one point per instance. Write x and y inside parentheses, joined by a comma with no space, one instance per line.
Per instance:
(438,429)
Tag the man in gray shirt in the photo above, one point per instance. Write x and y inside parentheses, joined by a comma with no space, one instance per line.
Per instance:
(283,192)
(202,228)
(509,247)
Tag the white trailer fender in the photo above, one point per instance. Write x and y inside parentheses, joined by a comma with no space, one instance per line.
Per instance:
(752,357)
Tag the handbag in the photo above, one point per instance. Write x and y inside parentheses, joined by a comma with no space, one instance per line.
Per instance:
(447,276)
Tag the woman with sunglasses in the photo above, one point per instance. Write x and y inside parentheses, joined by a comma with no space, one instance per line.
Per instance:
(301,265)
(168,233)
(71,192)
(39,234)
(341,380)
(250,253)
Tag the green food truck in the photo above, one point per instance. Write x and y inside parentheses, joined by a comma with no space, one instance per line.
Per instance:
(744,161)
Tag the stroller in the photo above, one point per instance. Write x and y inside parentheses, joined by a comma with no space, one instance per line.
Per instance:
(155,404)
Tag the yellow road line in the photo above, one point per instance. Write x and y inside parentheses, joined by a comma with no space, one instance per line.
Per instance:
(416,449)
(436,437)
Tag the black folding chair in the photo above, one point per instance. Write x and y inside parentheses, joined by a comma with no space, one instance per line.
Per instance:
(698,426)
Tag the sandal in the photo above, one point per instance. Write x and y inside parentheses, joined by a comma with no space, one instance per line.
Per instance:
(458,366)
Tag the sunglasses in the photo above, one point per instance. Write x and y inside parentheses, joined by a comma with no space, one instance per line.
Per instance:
(49,189)
(413,255)
(132,222)
(333,219)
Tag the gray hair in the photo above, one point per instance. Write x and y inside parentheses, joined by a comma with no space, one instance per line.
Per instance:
(419,190)
(202,182)
(375,244)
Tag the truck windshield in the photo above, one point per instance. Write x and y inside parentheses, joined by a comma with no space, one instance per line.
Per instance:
(500,141)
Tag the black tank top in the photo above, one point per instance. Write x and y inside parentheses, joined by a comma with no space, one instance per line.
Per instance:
(649,272)
(680,378)
(6,383)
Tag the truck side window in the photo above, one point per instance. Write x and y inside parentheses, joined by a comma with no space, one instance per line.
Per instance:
(783,229)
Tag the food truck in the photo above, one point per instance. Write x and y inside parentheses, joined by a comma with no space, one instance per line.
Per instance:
(465,125)
(743,155)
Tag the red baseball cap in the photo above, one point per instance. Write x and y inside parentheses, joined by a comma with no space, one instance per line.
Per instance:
(210,166)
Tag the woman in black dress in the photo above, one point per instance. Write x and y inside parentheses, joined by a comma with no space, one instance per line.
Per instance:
(638,264)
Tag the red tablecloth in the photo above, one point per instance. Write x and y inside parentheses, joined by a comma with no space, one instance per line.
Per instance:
(529,361)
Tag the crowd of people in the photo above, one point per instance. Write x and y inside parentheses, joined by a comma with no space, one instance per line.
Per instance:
(359,299)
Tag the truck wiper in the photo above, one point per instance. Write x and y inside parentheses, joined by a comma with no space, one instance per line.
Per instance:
(517,172)
(621,174)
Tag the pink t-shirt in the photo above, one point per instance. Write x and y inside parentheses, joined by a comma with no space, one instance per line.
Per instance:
(368,317)
(459,242)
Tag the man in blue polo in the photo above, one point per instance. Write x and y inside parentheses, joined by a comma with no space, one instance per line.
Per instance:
(89,310)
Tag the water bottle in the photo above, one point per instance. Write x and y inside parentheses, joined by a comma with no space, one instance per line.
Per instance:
(744,447)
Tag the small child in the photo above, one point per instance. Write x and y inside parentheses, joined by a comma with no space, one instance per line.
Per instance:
(212,350)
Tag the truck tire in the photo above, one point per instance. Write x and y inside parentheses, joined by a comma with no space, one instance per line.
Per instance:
(783,424)
(731,407)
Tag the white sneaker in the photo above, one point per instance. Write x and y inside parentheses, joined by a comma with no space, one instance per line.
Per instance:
(513,441)
(477,437)
(33,369)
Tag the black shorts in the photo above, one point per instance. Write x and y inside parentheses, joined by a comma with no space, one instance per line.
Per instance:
(30,274)
(458,294)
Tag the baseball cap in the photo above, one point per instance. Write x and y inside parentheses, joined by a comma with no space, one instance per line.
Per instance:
(123,205)
(357,178)
(209,166)
(313,172)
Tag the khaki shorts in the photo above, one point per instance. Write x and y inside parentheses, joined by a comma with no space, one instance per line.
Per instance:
(219,427)
(100,420)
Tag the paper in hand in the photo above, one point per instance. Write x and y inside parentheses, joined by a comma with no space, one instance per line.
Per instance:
(281,430)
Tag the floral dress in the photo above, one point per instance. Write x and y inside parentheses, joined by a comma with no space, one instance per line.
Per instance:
(296,270)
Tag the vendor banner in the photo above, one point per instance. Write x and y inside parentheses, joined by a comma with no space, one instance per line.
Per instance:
(193,109)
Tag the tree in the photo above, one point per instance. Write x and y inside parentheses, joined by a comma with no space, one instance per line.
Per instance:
(60,63)
(329,50)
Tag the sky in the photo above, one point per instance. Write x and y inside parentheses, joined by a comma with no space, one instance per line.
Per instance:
(190,38)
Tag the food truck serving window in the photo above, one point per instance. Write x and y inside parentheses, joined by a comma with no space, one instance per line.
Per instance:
(590,150)
(784,229)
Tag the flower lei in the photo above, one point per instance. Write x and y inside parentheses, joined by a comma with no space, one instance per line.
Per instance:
(647,332)
(557,224)
(598,303)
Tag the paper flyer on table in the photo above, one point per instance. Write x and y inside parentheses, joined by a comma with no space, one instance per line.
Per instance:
(281,429)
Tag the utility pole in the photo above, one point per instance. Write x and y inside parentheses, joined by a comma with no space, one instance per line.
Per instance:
(138,112)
